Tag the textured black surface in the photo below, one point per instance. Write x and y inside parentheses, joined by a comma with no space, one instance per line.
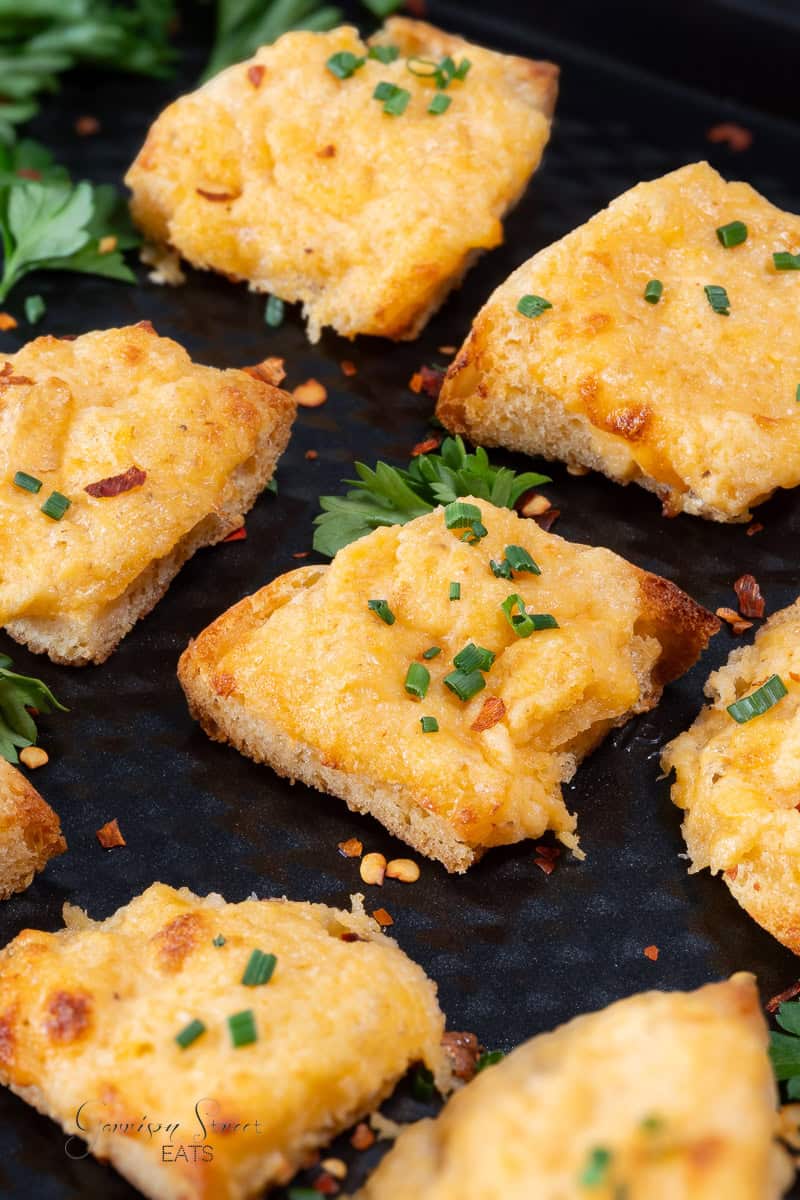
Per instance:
(513,952)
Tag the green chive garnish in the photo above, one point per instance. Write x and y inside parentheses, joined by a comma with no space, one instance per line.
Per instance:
(418,679)
(422,1084)
(384,90)
(439,104)
(462,69)
(429,724)
(464,685)
(489,1059)
(455,590)
(759,701)
(242,1027)
(190,1033)
(273,313)
(732,234)
(459,515)
(532,306)
(783,261)
(384,54)
(55,506)
(219,940)
(473,535)
(797,394)
(28,483)
(431,652)
(518,559)
(381,607)
(653,291)
(35,308)
(718,299)
(595,1172)
(259,969)
(424,67)
(524,623)
(473,658)
(344,64)
(395,99)
(501,569)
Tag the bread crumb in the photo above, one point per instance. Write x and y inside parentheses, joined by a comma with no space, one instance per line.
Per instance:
(651,952)
(109,835)
(310,394)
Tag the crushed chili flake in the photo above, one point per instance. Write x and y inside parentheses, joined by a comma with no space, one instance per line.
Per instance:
(6,377)
(107,244)
(348,368)
(789,994)
(310,394)
(115,485)
(547,520)
(431,380)
(29,173)
(493,710)
(362,1137)
(748,593)
(109,835)
(301,554)
(417,8)
(217,197)
(327,152)
(255,74)
(533,504)
(735,136)
(269,370)
(352,937)
(415,383)
(547,865)
(651,952)
(548,851)
(427,447)
(325,1184)
(311,455)
(463,1050)
(382,917)
(734,620)
(86,126)
(352,848)
(236,535)
(756,527)
(731,873)
(7,322)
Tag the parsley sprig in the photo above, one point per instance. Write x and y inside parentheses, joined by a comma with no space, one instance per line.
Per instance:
(393,496)
(18,695)
(784,1049)
(47,222)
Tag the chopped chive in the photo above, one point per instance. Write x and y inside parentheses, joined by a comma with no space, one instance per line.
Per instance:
(190,1033)
(384,54)
(595,1172)
(55,506)
(242,1027)
(425,68)
(459,515)
(28,483)
(464,685)
(759,701)
(473,535)
(732,234)
(653,291)
(518,559)
(718,299)
(35,308)
(384,90)
(381,607)
(524,623)
(445,72)
(219,940)
(273,313)
(429,724)
(344,64)
(472,657)
(532,306)
(439,104)
(797,394)
(462,70)
(259,969)
(488,1059)
(418,680)
(783,261)
(455,590)
(501,569)
(397,103)
(431,652)
(422,1084)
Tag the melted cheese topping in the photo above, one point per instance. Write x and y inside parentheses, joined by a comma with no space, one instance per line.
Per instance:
(330,673)
(314,193)
(740,784)
(675,1090)
(88,1018)
(698,402)
(76,412)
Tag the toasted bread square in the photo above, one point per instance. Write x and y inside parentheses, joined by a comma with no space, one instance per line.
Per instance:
(30,833)
(739,784)
(663,1096)
(156,455)
(281,174)
(692,404)
(306,677)
(89,1018)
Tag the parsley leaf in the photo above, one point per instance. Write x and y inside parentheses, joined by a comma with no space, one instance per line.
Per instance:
(393,496)
(18,694)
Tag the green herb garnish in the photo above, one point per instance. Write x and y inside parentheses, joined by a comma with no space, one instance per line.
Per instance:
(393,496)
(732,234)
(718,299)
(35,308)
(439,104)
(524,623)
(429,724)
(381,607)
(344,64)
(459,515)
(488,1059)
(190,1033)
(219,940)
(394,99)
(520,560)
(532,306)
(501,569)
(474,657)
(455,590)
(653,291)
(384,54)
(595,1173)
(464,684)
(273,312)
(19,696)
(28,483)
(259,969)
(55,506)
(759,701)
(242,1027)
(418,680)
(783,261)
(425,68)
(422,1085)
(431,652)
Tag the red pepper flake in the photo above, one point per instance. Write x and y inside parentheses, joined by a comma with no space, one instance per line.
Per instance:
(7,322)
(29,173)
(753,529)
(217,197)
(545,851)
(362,1137)
(774,1004)
(417,8)
(269,370)
(431,380)
(301,554)
(115,485)
(748,593)
(312,455)
(327,152)
(255,74)
(427,447)
(382,917)
(325,1184)
(547,865)
(734,620)
(109,835)
(493,710)
(352,937)
(463,1050)
(310,394)
(547,520)
(735,136)
(87,126)
(348,368)
(651,952)
(236,535)
(7,379)
(732,872)
(415,383)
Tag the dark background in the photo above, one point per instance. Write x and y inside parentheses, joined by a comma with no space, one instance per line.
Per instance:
(513,951)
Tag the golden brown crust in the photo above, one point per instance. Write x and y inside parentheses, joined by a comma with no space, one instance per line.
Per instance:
(683,626)
(30,832)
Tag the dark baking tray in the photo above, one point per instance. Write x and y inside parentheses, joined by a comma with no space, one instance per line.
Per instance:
(513,951)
